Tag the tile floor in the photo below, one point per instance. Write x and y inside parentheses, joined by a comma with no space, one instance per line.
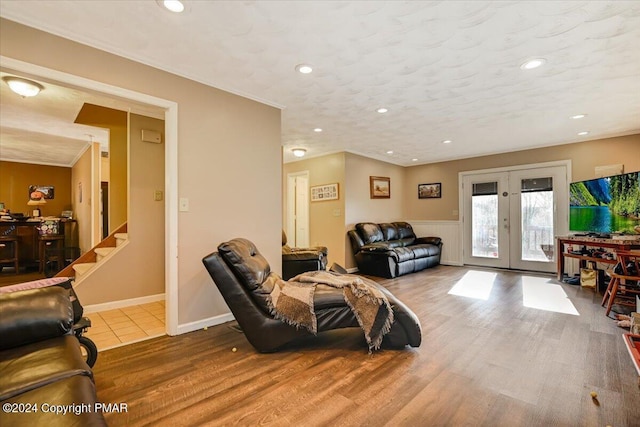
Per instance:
(115,328)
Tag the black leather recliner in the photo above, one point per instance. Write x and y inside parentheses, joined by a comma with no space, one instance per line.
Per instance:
(244,279)
(300,260)
(392,249)
(41,362)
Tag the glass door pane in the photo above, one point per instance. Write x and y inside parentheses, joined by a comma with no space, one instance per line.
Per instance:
(536,205)
(484,214)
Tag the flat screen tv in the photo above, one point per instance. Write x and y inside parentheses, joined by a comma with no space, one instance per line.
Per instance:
(605,206)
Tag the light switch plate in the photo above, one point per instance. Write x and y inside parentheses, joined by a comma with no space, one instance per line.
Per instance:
(184,204)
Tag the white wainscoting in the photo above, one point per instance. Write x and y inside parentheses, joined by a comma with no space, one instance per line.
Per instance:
(449,231)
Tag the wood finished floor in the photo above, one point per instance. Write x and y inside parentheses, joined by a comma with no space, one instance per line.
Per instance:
(488,362)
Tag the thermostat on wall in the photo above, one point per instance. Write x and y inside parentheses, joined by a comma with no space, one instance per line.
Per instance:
(151,136)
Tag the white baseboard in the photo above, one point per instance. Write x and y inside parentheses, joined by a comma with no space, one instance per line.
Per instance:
(123,303)
(205,323)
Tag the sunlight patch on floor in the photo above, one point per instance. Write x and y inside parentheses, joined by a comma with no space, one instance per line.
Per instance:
(474,284)
(542,294)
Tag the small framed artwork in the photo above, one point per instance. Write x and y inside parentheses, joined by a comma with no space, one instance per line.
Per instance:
(430,191)
(37,192)
(325,192)
(380,187)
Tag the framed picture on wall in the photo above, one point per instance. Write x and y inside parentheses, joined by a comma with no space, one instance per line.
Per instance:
(380,187)
(430,191)
(320,193)
(37,192)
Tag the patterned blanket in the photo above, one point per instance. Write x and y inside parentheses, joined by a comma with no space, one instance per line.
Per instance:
(292,302)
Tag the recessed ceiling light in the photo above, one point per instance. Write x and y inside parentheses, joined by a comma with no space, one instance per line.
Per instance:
(414,160)
(390,152)
(382,110)
(317,130)
(173,5)
(583,133)
(447,141)
(304,68)
(299,152)
(533,63)
(579,116)
(23,87)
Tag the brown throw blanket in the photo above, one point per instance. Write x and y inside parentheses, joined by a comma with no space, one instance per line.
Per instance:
(292,302)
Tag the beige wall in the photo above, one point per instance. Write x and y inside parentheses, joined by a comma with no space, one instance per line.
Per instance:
(229,159)
(359,206)
(82,186)
(584,156)
(116,122)
(143,258)
(15,179)
(326,218)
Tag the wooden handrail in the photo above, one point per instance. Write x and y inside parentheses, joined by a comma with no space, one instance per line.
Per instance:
(90,255)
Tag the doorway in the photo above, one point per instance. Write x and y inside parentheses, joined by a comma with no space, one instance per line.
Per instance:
(104,209)
(298,209)
(170,109)
(511,217)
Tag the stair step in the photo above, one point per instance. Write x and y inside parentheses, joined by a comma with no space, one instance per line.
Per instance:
(121,238)
(83,268)
(103,252)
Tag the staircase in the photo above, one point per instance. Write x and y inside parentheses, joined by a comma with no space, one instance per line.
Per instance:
(93,258)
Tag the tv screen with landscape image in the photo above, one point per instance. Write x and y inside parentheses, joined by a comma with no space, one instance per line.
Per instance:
(605,205)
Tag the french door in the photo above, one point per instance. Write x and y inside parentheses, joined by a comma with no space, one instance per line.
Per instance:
(510,218)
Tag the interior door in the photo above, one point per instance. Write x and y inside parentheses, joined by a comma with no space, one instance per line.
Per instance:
(511,218)
(298,209)
(302,211)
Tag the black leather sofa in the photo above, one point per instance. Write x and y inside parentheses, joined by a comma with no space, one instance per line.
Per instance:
(243,277)
(300,260)
(42,369)
(392,249)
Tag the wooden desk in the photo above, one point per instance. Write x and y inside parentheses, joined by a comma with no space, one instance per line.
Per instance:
(596,242)
(28,238)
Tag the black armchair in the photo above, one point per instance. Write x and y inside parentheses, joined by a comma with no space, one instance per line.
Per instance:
(300,260)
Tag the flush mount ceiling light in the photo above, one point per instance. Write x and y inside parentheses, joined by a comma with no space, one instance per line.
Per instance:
(583,133)
(23,87)
(447,141)
(382,110)
(414,160)
(304,68)
(175,6)
(390,152)
(533,63)
(299,152)
(579,116)
(317,130)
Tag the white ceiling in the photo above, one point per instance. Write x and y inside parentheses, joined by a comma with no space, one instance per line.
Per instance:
(41,129)
(445,70)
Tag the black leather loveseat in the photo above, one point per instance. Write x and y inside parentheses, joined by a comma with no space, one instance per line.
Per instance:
(44,380)
(244,279)
(392,249)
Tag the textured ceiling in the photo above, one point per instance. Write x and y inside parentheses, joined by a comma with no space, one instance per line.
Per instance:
(445,70)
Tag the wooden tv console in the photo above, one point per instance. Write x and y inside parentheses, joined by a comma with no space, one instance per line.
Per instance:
(595,242)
